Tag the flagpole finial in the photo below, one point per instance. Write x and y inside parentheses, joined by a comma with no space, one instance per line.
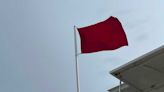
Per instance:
(75,26)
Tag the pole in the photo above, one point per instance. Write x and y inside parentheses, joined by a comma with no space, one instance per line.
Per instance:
(120,86)
(76,61)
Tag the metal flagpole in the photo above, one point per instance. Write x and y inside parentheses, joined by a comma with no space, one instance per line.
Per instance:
(120,86)
(76,61)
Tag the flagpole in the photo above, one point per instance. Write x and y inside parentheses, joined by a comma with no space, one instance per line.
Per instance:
(76,61)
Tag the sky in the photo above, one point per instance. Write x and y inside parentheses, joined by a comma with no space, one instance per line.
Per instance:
(37,42)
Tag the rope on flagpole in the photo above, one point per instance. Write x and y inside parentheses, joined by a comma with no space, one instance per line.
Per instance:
(76,61)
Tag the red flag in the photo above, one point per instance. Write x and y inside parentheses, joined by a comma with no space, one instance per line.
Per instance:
(105,35)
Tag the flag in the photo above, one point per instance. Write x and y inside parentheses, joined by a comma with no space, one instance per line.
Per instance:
(105,35)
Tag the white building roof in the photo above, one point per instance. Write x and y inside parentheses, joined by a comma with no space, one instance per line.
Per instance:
(145,74)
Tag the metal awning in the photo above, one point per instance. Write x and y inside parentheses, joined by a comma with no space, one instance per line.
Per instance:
(146,73)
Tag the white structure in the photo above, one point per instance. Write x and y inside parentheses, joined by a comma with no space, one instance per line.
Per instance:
(124,88)
(144,74)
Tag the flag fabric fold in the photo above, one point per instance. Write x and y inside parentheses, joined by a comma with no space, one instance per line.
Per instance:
(105,35)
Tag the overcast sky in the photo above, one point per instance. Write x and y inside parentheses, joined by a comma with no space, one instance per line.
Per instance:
(37,42)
